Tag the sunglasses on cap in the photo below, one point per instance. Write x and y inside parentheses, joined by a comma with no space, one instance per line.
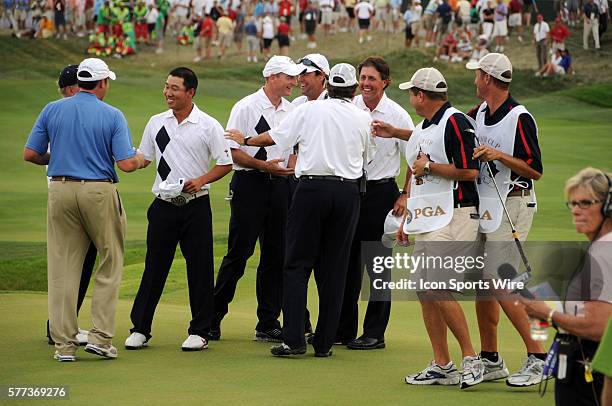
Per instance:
(308,62)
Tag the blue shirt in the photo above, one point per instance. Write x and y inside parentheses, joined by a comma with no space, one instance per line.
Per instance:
(408,16)
(259,10)
(444,10)
(85,135)
(9,4)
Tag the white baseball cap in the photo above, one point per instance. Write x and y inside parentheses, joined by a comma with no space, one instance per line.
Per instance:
(313,63)
(343,75)
(281,64)
(92,69)
(494,64)
(429,79)
(392,224)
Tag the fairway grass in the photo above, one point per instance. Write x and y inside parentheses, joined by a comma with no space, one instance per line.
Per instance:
(237,370)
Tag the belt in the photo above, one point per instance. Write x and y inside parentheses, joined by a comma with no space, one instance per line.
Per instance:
(465,204)
(266,175)
(70,179)
(324,177)
(520,193)
(380,181)
(185,198)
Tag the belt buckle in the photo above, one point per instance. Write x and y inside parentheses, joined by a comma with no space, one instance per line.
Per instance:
(179,201)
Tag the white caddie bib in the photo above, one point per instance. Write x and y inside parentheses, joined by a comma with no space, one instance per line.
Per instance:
(430,206)
(501,137)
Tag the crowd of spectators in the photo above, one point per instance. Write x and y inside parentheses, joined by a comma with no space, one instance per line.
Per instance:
(459,30)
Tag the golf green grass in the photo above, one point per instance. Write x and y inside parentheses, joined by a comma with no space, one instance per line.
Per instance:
(574,133)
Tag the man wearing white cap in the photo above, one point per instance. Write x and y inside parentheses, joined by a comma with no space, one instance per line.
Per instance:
(259,201)
(382,194)
(312,79)
(440,154)
(508,133)
(87,136)
(182,140)
(334,140)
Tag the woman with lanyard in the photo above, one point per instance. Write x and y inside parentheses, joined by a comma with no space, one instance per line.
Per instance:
(588,297)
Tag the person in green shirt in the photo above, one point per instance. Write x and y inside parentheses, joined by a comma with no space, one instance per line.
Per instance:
(603,363)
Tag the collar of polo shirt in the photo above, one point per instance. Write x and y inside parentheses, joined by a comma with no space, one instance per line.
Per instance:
(193,117)
(283,106)
(382,106)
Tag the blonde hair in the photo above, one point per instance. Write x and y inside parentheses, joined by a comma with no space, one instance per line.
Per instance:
(592,180)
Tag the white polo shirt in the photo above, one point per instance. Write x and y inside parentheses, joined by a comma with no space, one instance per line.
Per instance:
(540,31)
(333,136)
(298,101)
(246,116)
(364,10)
(386,162)
(186,148)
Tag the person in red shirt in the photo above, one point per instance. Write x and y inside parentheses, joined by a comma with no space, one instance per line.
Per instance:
(282,34)
(515,9)
(284,10)
(205,37)
(303,4)
(559,34)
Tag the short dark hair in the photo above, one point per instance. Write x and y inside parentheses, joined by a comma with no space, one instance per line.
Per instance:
(443,96)
(88,85)
(378,63)
(500,84)
(190,80)
(335,92)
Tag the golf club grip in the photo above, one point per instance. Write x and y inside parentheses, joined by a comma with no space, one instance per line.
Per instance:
(519,246)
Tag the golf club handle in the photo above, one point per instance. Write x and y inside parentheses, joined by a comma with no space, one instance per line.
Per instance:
(519,246)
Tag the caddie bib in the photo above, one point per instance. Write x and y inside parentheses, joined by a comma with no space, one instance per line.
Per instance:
(501,137)
(430,206)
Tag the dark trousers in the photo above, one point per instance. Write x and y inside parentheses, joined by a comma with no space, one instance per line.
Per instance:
(88,266)
(320,228)
(379,199)
(603,25)
(191,227)
(578,392)
(541,53)
(258,211)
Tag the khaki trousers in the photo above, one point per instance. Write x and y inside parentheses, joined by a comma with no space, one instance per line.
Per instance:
(79,213)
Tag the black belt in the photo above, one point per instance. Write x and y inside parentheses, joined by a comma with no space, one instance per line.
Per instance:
(332,178)
(265,175)
(70,179)
(464,204)
(519,193)
(381,181)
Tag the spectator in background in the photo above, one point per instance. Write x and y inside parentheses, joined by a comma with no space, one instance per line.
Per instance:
(463,12)
(429,22)
(59,7)
(239,27)
(225,28)
(515,7)
(560,64)
(21,13)
(573,7)
(327,10)
(364,11)
(396,15)
(381,10)
(591,24)
(250,29)
(558,35)
(204,40)
(283,32)
(500,27)
(488,20)
(480,49)
(285,10)
(409,35)
(444,14)
(311,18)
(151,19)
(267,35)
(448,46)
(417,20)
(350,12)
(604,16)
(464,48)
(529,7)
(540,39)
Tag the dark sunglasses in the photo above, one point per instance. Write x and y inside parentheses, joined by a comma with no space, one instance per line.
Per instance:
(308,62)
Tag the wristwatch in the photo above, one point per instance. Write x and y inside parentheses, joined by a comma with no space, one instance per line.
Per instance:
(426,168)
(246,141)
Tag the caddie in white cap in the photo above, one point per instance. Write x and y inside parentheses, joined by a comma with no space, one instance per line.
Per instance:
(509,138)
(333,136)
(260,199)
(442,206)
